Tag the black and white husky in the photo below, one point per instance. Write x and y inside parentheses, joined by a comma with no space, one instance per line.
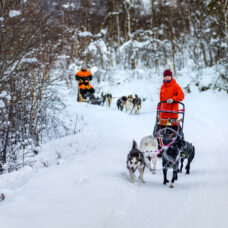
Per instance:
(135,161)
(149,148)
(121,102)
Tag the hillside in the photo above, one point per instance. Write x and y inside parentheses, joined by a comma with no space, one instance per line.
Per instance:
(90,185)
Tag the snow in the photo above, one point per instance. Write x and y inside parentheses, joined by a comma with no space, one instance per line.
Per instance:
(3,94)
(2,105)
(68,5)
(208,77)
(14,13)
(81,180)
(85,33)
(94,69)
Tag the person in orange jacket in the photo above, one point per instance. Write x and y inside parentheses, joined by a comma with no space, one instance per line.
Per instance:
(170,91)
(86,90)
(83,74)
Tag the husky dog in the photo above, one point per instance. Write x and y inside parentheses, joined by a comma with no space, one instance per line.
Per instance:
(187,151)
(107,99)
(149,147)
(135,161)
(136,104)
(129,103)
(121,102)
(170,159)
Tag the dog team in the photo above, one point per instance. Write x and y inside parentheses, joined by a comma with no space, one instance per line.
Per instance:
(146,156)
(130,103)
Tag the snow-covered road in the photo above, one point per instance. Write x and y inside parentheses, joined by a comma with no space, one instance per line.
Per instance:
(91,189)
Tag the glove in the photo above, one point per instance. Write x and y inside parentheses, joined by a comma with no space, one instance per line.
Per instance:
(169,101)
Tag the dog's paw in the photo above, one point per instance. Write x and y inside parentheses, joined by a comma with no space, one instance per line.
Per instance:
(171,185)
(187,172)
(153,171)
(141,179)
(132,179)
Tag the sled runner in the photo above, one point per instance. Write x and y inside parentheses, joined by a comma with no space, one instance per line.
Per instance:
(167,130)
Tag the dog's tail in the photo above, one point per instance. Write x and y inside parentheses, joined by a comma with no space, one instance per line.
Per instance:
(193,154)
(2,196)
(134,146)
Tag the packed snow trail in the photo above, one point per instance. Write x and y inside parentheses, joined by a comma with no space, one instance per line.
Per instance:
(91,189)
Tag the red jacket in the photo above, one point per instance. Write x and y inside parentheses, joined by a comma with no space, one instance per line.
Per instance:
(173,91)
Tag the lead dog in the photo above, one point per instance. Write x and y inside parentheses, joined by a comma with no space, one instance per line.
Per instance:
(136,104)
(149,148)
(129,104)
(107,99)
(170,159)
(135,161)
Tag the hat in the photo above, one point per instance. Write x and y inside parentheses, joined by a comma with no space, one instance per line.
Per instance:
(83,67)
(168,72)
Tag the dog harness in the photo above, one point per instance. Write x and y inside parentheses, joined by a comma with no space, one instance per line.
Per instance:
(163,147)
(170,159)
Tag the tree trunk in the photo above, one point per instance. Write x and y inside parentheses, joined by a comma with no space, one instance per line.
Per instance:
(226,18)
(128,19)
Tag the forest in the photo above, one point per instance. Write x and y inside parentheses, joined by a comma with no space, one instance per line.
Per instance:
(40,39)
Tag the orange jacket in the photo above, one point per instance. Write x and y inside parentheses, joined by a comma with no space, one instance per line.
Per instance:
(84,75)
(173,91)
(83,87)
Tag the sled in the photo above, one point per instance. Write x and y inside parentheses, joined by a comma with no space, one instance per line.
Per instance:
(90,99)
(167,130)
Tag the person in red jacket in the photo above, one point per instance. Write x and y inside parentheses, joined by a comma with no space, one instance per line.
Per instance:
(170,91)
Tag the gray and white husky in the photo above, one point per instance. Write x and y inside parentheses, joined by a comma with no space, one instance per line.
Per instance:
(149,148)
(135,161)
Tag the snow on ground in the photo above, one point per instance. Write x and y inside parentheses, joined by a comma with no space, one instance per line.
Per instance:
(86,183)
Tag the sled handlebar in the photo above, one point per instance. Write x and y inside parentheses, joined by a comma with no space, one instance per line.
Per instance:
(182,110)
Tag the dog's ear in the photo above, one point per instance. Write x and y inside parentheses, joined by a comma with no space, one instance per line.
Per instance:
(134,146)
